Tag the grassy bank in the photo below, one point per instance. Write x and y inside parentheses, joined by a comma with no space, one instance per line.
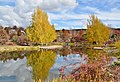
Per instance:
(26,48)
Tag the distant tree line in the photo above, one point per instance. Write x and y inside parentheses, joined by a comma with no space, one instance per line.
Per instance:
(12,35)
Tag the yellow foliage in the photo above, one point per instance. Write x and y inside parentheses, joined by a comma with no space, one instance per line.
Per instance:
(41,62)
(97,31)
(117,44)
(40,30)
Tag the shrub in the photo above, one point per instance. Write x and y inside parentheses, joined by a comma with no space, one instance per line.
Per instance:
(117,44)
(95,71)
(117,63)
(14,38)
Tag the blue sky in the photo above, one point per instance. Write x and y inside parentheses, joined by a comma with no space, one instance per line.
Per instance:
(68,14)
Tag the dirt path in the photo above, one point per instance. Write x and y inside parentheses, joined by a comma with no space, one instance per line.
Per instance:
(26,48)
(51,47)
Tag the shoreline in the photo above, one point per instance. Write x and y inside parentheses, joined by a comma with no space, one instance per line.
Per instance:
(7,48)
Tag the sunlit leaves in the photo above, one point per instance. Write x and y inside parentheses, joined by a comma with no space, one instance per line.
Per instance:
(97,31)
(117,44)
(41,30)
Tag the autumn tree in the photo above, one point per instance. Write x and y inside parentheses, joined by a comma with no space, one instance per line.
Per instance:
(115,35)
(15,27)
(96,31)
(4,37)
(19,33)
(66,35)
(41,62)
(40,30)
(7,29)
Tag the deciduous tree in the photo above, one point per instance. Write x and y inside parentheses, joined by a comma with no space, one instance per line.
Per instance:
(41,30)
(96,31)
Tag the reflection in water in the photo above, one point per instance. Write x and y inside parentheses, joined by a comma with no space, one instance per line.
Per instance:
(45,64)
(6,56)
(41,62)
(90,53)
(15,68)
(97,55)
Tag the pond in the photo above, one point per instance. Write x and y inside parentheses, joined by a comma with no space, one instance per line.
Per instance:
(42,64)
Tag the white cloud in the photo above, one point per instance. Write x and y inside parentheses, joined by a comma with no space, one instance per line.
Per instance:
(67,16)
(61,10)
(16,68)
(109,16)
(114,14)
(21,13)
(112,23)
(56,25)
(8,16)
(57,5)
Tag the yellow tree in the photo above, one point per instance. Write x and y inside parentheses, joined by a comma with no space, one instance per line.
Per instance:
(41,62)
(97,31)
(40,30)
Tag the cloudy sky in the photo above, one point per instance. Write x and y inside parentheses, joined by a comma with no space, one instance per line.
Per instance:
(62,13)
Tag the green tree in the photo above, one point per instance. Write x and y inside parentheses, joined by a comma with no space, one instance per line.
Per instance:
(97,31)
(41,62)
(41,30)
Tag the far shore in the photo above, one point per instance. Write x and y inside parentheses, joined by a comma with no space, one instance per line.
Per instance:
(7,48)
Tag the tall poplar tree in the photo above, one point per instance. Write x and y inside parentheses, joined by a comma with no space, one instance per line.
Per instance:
(40,30)
(97,31)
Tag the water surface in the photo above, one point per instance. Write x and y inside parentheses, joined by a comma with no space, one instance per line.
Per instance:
(35,65)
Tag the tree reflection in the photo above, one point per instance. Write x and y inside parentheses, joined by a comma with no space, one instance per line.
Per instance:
(97,55)
(6,56)
(41,62)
